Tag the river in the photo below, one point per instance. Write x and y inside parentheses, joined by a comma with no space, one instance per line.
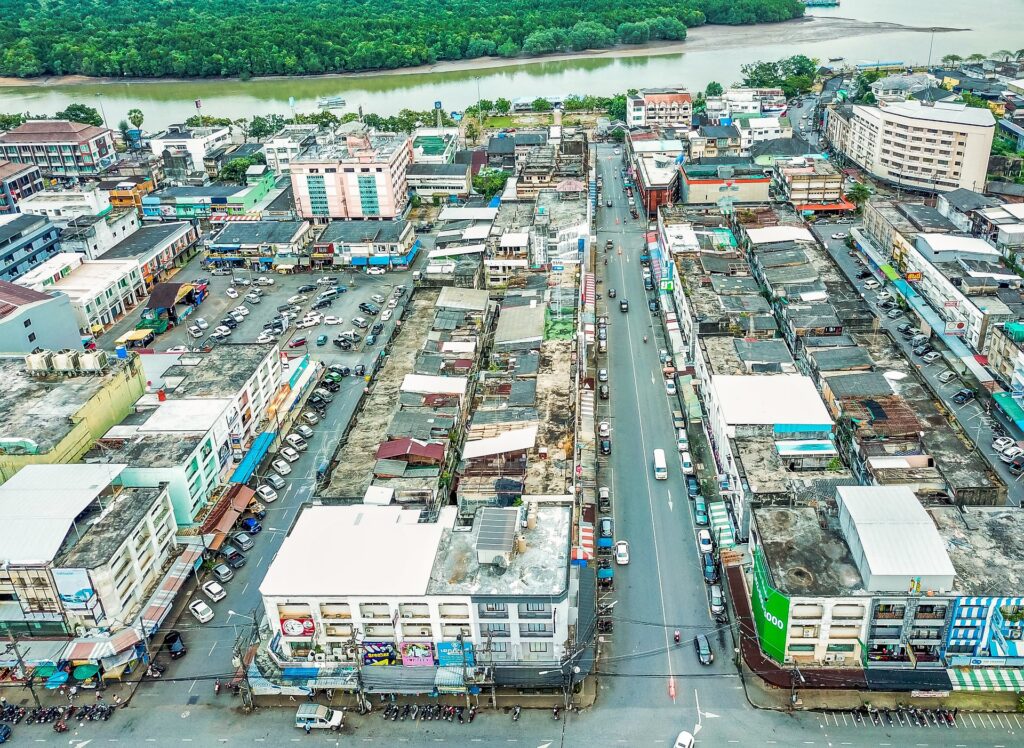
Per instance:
(712,53)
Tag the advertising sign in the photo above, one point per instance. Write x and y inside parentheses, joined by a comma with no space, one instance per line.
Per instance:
(297,626)
(450,654)
(956,328)
(74,587)
(771,611)
(379,653)
(418,654)
(913,276)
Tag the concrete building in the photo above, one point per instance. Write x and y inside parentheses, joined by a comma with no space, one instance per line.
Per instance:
(894,226)
(930,147)
(92,236)
(430,604)
(811,185)
(193,143)
(25,243)
(435,145)
(62,205)
(126,192)
(443,180)
(286,144)
(261,245)
(657,182)
(59,148)
(723,182)
(359,175)
(660,107)
(53,413)
(362,243)
(214,201)
(100,291)
(159,249)
(901,87)
(80,549)
(960,205)
(760,129)
(31,319)
(17,181)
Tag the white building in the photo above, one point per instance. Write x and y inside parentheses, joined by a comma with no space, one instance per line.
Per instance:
(79,549)
(100,291)
(286,144)
(60,206)
(918,145)
(420,589)
(901,87)
(660,107)
(197,142)
(93,235)
(758,129)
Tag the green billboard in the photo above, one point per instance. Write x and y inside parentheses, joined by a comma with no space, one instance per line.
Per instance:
(771,611)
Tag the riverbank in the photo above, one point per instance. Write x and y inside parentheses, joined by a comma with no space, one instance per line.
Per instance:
(809,29)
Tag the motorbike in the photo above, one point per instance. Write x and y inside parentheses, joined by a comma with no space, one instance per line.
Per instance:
(216,687)
(677,636)
(60,726)
(555,713)
(515,713)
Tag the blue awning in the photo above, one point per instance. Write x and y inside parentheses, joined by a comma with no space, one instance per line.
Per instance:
(256,453)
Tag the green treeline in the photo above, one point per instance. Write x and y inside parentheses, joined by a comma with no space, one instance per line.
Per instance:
(207,39)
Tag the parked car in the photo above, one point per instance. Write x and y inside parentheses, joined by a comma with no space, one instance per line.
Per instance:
(604,429)
(214,591)
(174,644)
(603,391)
(653,305)
(707,545)
(343,343)
(222,573)
(229,322)
(310,418)
(274,480)
(963,396)
(321,339)
(871,285)
(700,512)
(330,319)
(692,486)
(265,280)
(1009,454)
(281,467)
(863,274)
(606,446)
(604,499)
(371,340)
(670,386)
(232,556)
(710,568)
(894,313)
(359,370)
(930,358)
(1003,442)
(306,288)
(251,526)
(243,541)
(231,293)
(602,375)
(605,528)
(947,376)
(304,431)
(923,349)
(703,648)
(717,600)
(266,493)
(296,342)
(386,315)
(622,553)
(253,298)
(200,611)
(376,270)
(296,442)
(321,304)
(360,322)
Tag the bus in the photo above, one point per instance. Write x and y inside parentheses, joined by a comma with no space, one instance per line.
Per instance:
(660,470)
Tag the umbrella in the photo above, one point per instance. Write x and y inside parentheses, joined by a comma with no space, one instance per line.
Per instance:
(57,680)
(84,672)
(44,671)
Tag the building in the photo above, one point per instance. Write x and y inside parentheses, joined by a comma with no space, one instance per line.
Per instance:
(901,87)
(80,549)
(192,143)
(100,291)
(159,250)
(286,144)
(657,182)
(723,181)
(59,148)
(660,107)
(261,245)
(960,205)
(17,181)
(439,180)
(811,185)
(127,192)
(361,243)
(55,407)
(760,129)
(31,319)
(359,175)
(893,226)
(215,160)
(61,205)
(427,604)
(930,147)
(435,145)
(715,141)
(213,201)
(25,243)
(92,236)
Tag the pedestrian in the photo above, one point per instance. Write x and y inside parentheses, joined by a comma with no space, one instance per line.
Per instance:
(307,728)
(73,693)
(99,696)
(956,711)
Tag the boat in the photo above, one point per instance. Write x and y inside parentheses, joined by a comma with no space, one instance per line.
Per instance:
(834,59)
(330,102)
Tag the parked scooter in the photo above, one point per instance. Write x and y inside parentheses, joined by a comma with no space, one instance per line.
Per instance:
(516,710)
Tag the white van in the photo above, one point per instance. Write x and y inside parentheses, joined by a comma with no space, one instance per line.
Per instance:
(327,295)
(683,442)
(687,462)
(660,467)
(318,717)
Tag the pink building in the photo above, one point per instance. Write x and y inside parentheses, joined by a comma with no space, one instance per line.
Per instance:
(358,176)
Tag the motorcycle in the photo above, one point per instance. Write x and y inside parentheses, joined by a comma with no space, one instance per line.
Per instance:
(216,687)
(60,726)
(554,713)
(515,713)
(677,636)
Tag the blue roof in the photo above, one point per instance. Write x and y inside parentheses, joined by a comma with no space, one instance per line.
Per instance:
(255,456)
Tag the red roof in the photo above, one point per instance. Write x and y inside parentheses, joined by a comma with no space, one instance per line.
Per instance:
(410,447)
(51,131)
(672,98)
(13,296)
(9,169)
(841,205)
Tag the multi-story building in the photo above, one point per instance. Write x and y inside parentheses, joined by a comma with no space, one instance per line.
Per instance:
(93,235)
(361,243)
(657,182)
(213,200)
(101,291)
(59,148)
(930,147)
(56,406)
(435,145)
(127,192)
(714,141)
(31,319)
(158,249)
(25,243)
(759,129)
(660,107)
(96,549)
(723,181)
(901,87)
(444,180)
(191,142)
(17,181)
(446,610)
(286,144)
(811,185)
(261,245)
(359,175)
(959,206)
(62,205)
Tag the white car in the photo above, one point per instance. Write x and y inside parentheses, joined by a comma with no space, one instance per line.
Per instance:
(264,337)
(670,386)
(281,467)
(602,375)
(201,323)
(296,299)
(617,151)
(242,309)
(310,418)
(393,303)
(683,740)
(622,553)
(604,429)
(266,493)
(302,324)
(222,331)
(1009,454)
(214,591)
(296,442)
(332,320)
(290,454)
(265,280)
(232,293)
(385,315)
(195,332)
(178,349)
(375,270)
(1002,442)
(871,285)
(704,541)
(839,236)
(313,317)
(687,462)
(202,612)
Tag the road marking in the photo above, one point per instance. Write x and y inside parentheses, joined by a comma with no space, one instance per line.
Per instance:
(212,647)
(190,691)
(245,587)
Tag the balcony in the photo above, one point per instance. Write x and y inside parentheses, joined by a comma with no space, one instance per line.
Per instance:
(894,615)
(414,611)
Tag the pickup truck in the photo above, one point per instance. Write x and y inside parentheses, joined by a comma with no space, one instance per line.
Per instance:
(678,422)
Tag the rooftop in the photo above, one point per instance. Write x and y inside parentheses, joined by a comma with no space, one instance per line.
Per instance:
(939,111)
(363,232)
(435,170)
(925,217)
(986,547)
(13,296)
(355,148)
(152,450)
(966,200)
(18,224)
(51,131)
(770,400)
(220,372)
(240,233)
(9,169)
(467,299)
(149,237)
(109,529)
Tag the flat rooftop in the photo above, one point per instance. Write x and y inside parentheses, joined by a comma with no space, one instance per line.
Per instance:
(804,557)
(125,444)
(148,238)
(778,399)
(542,569)
(106,530)
(221,372)
(562,211)
(986,547)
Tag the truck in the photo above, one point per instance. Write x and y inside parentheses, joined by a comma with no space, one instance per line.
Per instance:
(318,717)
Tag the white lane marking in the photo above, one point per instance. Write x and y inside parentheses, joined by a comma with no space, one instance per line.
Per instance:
(669,493)
(212,647)
(192,686)
(245,587)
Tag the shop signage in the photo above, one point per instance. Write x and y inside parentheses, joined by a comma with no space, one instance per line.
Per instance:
(771,611)
(417,654)
(379,653)
(450,654)
(297,626)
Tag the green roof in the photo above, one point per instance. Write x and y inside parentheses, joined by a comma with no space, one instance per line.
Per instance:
(431,145)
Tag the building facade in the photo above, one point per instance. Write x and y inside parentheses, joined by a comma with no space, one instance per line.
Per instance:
(17,181)
(93,235)
(659,107)
(191,142)
(30,319)
(59,148)
(286,144)
(25,243)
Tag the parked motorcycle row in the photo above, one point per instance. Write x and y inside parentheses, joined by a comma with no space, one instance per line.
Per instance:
(59,716)
(905,716)
(428,713)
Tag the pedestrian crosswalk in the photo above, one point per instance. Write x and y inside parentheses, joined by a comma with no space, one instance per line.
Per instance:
(721,526)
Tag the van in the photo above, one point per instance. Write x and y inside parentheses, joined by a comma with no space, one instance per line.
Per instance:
(602,346)
(327,295)
(687,462)
(318,717)
(683,442)
(660,467)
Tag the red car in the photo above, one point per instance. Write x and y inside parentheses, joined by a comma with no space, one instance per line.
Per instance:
(297,343)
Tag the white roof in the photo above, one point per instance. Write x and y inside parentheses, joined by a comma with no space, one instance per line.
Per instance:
(458,346)
(39,504)
(941,111)
(469,249)
(955,243)
(430,385)
(772,234)
(897,535)
(510,441)
(471,299)
(769,400)
(514,239)
(477,232)
(450,213)
(337,551)
(188,415)
(772,122)
(379,495)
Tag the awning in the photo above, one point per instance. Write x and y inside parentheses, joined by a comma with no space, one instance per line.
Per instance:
(889,272)
(987,679)
(97,648)
(160,603)
(253,457)
(607,573)
(57,680)
(84,672)
(585,550)
(449,680)
(721,526)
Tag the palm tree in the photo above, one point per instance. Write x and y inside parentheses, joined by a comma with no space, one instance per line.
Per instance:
(951,60)
(859,194)
(977,57)
(136,117)
(1002,54)
(1019,54)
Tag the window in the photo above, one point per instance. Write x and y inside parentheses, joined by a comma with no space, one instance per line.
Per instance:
(31,337)
(538,647)
(27,323)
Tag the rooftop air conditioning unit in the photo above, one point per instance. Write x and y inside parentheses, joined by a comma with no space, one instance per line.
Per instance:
(39,363)
(66,361)
(94,362)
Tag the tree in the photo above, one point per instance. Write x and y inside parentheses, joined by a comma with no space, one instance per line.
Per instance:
(10,121)
(951,60)
(1019,54)
(634,33)
(472,132)
(486,106)
(540,104)
(974,101)
(977,57)
(859,194)
(502,105)
(1002,54)
(234,170)
(136,117)
(714,88)
(490,182)
(263,127)
(205,120)
(81,113)
(124,127)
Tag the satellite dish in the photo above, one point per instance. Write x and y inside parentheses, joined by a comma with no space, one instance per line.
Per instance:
(501,562)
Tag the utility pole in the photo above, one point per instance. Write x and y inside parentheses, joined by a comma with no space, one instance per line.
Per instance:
(13,647)
(354,649)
